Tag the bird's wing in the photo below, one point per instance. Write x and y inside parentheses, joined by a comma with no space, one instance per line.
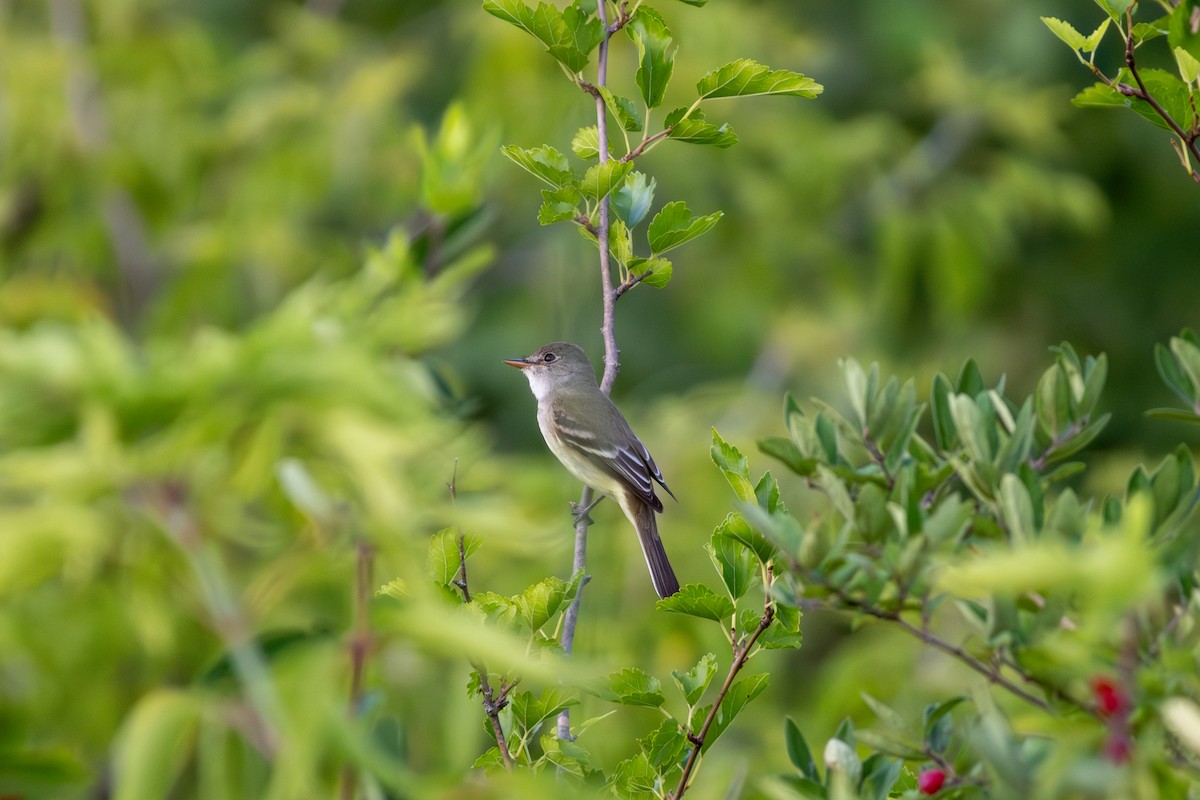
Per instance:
(628,462)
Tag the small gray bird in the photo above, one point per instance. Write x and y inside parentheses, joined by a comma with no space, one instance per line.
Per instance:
(590,436)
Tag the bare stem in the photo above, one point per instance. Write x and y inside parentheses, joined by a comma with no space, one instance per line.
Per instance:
(1189,139)
(741,652)
(611,354)
(360,645)
(493,701)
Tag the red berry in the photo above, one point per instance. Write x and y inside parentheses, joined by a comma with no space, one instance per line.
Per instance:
(930,781)
(1110,698)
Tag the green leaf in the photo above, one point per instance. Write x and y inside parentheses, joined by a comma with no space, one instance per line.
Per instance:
(695,681)
(733,464)
(568,35)
(154,744)
(936,721)
(735,563)
(559,205)
(1189,66)
(543,162)
(1115,8)
(1017,509)
(798,752)
(660,270)
(970,379)
(656,61)
(785,450)
(736,527)
(1182,31)
(600,179)
(1093,40)
(784,633)
(674,225)
(586,143)
(622,109)
(442,561)
(633,200)
(740,693)
(695,130)
(1173,375)
(620,243)
(633,687)
(697,600)
(1187,355)
(665,746)
(1065,31)
(1170,92)
(744,77)
(541,601)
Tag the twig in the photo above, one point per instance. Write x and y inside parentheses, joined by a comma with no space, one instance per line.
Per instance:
(647,142)
(611,354)
(1189,140)
(360,645)
(741,652)
(493,701)
(991,672)
(632,281)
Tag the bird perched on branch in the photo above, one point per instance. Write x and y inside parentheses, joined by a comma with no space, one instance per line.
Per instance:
(592,439)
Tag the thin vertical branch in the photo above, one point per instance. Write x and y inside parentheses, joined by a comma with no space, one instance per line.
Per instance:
(611,354)
(360,646)
(493,701)
(741,652)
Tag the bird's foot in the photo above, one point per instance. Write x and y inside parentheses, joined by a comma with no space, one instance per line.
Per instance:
(580,513)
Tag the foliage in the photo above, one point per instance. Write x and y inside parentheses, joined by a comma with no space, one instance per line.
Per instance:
(1167,100)
(1076,611)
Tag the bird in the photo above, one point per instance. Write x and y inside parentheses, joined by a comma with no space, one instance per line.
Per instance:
(590,436)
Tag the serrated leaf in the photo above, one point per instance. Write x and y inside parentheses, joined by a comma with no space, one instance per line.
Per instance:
(784,633)
(441,559)
(622,109)
(1094,38)
(695,681)
(697,600)
(665,746)
(740,693)
(633,687)
(695,130)
(735,563)
(1189,66)
(674,225)
(600,179)
(633,200)
(586,143)
(656,61)
(541,601)
(620,243)
(745,77)
(734,466)
(660,270)
(559,205)
(1065,31)
(544,163)
(736,527)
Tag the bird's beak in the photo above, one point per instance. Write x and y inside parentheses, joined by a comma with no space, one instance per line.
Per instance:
(519,363)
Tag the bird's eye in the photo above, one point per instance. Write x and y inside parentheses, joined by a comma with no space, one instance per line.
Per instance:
(549,358)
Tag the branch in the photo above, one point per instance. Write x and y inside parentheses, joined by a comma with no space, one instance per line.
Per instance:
(647,142)
(360,646)
(630,282)
(1189,140)
(611,355)
(740,654)
(991,672)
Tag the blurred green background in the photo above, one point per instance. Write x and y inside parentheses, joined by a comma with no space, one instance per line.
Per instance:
(259,263)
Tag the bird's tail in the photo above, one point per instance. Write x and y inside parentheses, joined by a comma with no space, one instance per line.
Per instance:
(661,573)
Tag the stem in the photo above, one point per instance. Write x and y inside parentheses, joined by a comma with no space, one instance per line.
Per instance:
(740,654)
(360,645)
(1189,140)
(611,355)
